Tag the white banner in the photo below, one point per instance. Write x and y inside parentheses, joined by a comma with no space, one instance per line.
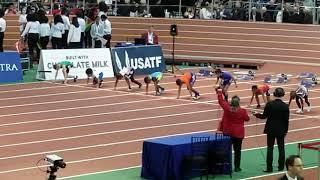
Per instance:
(98,59)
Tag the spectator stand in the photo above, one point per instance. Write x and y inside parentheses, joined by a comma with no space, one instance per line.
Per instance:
(314,146)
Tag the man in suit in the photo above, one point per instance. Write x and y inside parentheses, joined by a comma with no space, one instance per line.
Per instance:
(276,127)
(294,168)
(150,37)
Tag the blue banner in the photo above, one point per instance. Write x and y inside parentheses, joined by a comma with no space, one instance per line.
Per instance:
(144,59)
(10,67)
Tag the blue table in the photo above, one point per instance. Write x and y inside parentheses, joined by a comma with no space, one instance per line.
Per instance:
(162,158)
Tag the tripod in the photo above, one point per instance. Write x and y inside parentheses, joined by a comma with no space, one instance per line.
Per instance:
(173,66)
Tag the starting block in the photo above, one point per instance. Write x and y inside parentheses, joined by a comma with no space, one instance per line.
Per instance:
(249,73)
(309,83)
(204,72)
(306,75)
(244,75)
(282,75)
(279,80)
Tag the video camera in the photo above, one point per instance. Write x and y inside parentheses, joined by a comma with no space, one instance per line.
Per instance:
(55,160)
(55,163)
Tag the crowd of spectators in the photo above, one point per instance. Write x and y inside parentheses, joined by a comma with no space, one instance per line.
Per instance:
(292,11)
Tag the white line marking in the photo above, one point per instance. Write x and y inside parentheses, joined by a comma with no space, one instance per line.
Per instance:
(45,95)
(253,54)
(71,117)
(36,88)
(143,128)
(246,47)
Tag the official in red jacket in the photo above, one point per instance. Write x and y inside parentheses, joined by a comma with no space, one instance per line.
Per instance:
(150,37)
(232,124)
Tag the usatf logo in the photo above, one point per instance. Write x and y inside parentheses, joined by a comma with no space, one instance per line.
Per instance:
(138,62)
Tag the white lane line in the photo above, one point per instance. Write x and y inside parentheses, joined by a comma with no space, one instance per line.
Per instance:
(32,89)
(46,95)
(19,84)
(142,128)
(103,145)
(108,122)
(64,101)
(88,115)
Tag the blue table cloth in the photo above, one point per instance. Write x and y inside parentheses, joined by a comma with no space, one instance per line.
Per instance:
(162,158)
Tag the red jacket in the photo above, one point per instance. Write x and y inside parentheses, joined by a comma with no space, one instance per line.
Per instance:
(232,123)
(145,37)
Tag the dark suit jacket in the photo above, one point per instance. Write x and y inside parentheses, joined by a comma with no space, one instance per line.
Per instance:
(277,114)
(145,37)
(284,177)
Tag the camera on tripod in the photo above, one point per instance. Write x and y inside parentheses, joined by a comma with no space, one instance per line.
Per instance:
(55,163)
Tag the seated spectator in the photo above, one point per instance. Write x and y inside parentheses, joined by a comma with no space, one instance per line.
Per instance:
(205,12)
(11,10)
(150,36)
(189,13)
(294,168)
(238,13)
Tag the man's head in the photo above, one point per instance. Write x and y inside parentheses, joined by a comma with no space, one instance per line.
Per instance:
(278,92)
(218,72)
(147,79)
(179,82)
(89,72)
(151,29)
(254,88)
(294,165)
(56,66)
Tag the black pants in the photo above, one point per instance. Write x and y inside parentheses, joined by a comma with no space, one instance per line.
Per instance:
(65,39)
(108,38)
(298,99)
(97,44)
(44,42)
(270,144)
(56,43)
(82,40)
(237,143)
(1,41)
(75,45)
(33,39)
(87,39)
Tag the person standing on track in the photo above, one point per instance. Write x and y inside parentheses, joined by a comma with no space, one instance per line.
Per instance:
(127,73)
(65,66)
(232,124)
(276,127)
(262,90)
(225,81)
(155,78)
(299,94)
(188,79)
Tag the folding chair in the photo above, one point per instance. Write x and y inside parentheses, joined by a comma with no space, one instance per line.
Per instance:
(198,162)
(221,155)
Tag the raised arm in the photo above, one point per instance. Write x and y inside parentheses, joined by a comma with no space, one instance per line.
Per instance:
(224,104)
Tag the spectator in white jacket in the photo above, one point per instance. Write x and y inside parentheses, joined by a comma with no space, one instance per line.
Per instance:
(96,33)
(44,31)
(106,30)
(57,29)
(82,24)
(66,23)
(74,35)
